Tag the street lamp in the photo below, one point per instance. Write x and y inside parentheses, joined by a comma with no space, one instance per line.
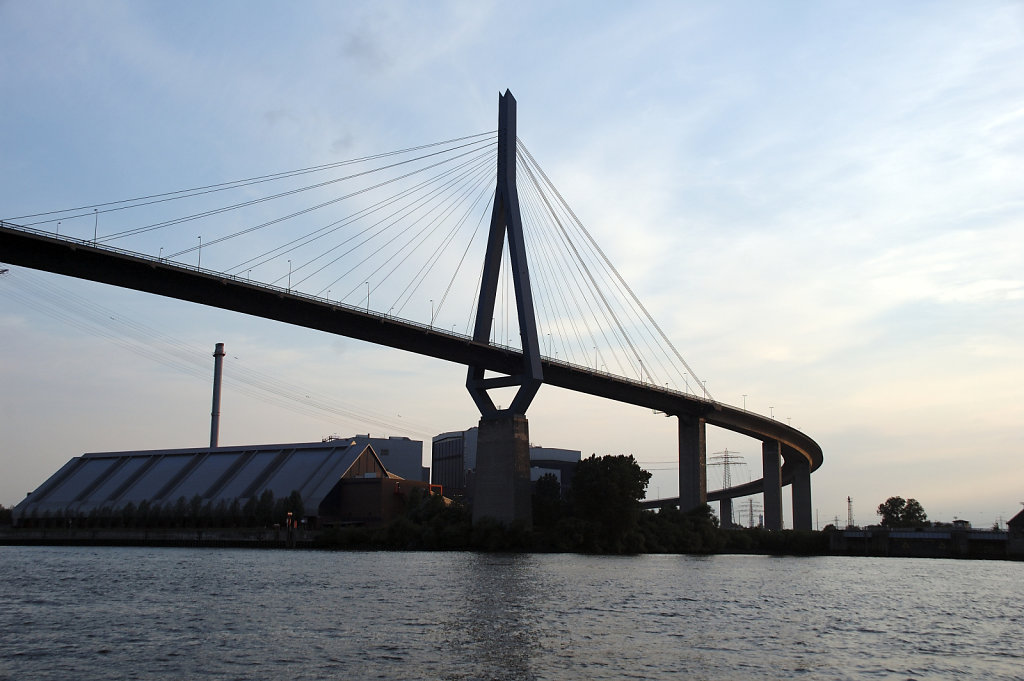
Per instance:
(771,411)
(289,276)
(744,403)
(199,262)
(95,225)
(367,297)
(431,313)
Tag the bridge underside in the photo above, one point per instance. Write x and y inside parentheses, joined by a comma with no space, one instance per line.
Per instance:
(782,465)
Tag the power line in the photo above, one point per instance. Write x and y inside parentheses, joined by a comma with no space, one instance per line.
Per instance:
(146,341)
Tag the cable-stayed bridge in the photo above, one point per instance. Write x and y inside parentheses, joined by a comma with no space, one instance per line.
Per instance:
(462,250)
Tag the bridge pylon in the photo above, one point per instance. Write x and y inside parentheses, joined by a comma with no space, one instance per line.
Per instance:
(502,477)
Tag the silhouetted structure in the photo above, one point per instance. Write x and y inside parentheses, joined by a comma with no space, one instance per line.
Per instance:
(454,457)
(400,455)
(1015,531)
(337,481)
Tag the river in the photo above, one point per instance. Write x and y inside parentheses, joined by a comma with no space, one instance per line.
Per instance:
(153,613)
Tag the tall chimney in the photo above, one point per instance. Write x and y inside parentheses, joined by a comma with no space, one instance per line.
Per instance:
(218,366)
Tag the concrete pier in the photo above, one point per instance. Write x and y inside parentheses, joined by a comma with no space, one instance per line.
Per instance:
(502,479)
(771,462)
(693,483)
(725,513)
(801,490)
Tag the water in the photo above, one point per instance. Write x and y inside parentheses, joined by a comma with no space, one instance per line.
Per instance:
(140,613)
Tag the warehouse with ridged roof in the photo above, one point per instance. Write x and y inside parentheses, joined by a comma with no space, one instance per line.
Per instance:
(338,481)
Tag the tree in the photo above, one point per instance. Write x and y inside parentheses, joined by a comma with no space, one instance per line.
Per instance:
(547,501)
(144,514)
(129,515)
(293,503)
(891,511)
(265,508)
(900,512)
(180,511)
(913,514)
(607,493)
(195,510)
(249,512)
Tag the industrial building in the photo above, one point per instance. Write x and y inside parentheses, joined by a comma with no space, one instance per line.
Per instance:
(360,479)
(338,480)
(558,462)
(453,461)
(401,456)
(1015,532)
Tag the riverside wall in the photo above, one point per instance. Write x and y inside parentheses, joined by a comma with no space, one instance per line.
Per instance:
(925,542)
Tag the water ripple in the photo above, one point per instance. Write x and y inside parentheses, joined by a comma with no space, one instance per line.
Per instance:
(233,614)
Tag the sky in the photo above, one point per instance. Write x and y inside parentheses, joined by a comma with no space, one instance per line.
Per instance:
(820,203)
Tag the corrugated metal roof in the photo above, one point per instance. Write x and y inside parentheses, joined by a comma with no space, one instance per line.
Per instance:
(114,479)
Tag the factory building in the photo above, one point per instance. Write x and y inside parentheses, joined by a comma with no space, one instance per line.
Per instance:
(400,455)
(361,479)
(453,461)
(558,462)
(339,481)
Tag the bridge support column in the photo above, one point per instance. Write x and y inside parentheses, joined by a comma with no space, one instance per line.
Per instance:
(771,463)
(802,496)
(725,513)
(502,481)
(693,483)
(502,477)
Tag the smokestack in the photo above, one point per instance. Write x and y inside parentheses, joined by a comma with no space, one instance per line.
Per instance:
(218,366)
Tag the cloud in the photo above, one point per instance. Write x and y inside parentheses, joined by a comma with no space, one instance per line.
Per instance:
(367,51)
